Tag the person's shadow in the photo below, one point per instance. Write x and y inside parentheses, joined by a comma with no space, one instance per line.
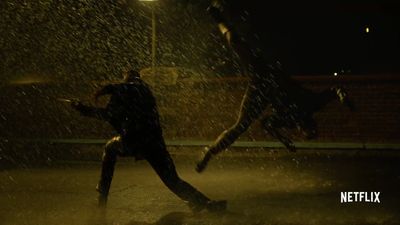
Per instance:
(181,218)
(172,218)
(99,217)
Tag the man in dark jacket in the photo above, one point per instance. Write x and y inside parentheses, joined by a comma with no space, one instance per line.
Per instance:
(132,112)
(292,105)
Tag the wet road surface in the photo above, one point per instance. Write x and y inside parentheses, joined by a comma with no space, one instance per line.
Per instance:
(262,187)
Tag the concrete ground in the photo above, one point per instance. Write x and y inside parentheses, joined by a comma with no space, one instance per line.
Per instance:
(261,186)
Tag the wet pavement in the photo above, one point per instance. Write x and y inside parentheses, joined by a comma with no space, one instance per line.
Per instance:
(262,187)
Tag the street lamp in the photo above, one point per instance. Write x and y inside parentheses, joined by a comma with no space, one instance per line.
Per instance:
(153,34)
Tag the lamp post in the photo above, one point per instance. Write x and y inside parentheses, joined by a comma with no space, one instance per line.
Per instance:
(153,34)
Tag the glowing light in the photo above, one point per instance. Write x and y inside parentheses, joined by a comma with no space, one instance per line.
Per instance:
(335,74)
(367,30)
(30,79)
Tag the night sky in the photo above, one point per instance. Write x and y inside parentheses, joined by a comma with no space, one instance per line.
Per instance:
(352,37)
(95,40)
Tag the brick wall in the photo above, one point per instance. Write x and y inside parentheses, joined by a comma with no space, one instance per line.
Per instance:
(201,109)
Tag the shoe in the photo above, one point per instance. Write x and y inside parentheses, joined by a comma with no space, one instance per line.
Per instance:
(289,146)
(202,164)
(344,98)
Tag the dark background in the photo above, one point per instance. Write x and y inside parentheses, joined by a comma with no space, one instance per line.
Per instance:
(324,37)
(94,40)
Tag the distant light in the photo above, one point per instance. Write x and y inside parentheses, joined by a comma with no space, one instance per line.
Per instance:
(335,74)
(367,30)
(30,79)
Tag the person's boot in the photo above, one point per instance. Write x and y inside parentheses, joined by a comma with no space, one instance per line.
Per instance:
(107,172)
(202,164)
(103,188)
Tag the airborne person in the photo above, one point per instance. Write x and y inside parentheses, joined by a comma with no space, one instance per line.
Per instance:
(292,105)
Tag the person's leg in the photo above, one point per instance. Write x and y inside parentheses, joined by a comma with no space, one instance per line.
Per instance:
(315,101)
(112,149)
(272,123)
(163,165)
(253,104)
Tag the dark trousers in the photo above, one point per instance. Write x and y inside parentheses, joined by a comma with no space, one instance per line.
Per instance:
(254,103)
(162,163)
(256,100)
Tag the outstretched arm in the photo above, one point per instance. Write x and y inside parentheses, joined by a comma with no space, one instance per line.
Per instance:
(106,90)
(90,111)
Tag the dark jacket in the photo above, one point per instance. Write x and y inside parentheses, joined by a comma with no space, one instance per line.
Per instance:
(132,111)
